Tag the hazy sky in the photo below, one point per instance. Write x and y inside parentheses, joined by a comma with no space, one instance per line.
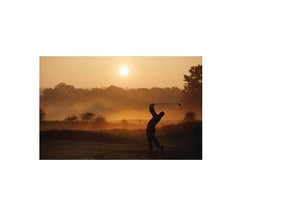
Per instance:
(95,72)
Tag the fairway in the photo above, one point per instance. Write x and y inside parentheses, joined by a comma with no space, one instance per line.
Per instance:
(110,144)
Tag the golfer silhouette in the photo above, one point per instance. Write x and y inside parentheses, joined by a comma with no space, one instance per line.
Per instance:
(150,131)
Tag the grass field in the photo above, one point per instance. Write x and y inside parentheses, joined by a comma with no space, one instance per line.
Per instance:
(180,141)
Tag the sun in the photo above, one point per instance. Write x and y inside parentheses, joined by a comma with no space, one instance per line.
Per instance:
(123,71)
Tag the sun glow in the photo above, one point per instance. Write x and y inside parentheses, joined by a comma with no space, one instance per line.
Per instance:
(123,71)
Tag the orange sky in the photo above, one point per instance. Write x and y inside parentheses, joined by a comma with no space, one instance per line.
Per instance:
(89,72)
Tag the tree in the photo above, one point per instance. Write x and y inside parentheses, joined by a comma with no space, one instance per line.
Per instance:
(192,92)
(100,119)
(64,88)
(71,118)
(87,116)
(42,114)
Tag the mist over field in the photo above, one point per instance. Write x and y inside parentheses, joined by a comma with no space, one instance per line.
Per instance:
(113,103)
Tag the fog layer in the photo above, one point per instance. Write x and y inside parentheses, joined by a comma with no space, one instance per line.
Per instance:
(113,103)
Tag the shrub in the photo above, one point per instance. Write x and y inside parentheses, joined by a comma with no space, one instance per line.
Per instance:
(71,118)
(100,120)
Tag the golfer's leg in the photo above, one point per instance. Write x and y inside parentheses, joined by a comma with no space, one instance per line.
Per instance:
(157,144)
(155,140)
(149,140)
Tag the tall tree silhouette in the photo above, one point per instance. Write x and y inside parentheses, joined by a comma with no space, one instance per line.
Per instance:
(192,92)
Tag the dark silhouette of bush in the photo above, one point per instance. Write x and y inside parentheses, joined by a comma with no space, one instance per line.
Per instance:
(100,120)
(71,118)
(190,130)
(87,116)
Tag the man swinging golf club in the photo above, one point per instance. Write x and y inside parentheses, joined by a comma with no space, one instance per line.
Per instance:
(150,131)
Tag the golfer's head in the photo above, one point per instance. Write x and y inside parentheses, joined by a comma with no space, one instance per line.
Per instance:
(162,114)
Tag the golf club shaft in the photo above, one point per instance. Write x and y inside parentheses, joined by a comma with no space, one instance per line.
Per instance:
(166,103)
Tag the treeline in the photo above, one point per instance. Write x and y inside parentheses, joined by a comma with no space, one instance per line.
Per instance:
(64,100)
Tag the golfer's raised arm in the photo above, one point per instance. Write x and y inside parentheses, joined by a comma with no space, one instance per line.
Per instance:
(152,110)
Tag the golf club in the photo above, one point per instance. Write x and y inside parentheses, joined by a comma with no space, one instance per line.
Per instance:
(179,104)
